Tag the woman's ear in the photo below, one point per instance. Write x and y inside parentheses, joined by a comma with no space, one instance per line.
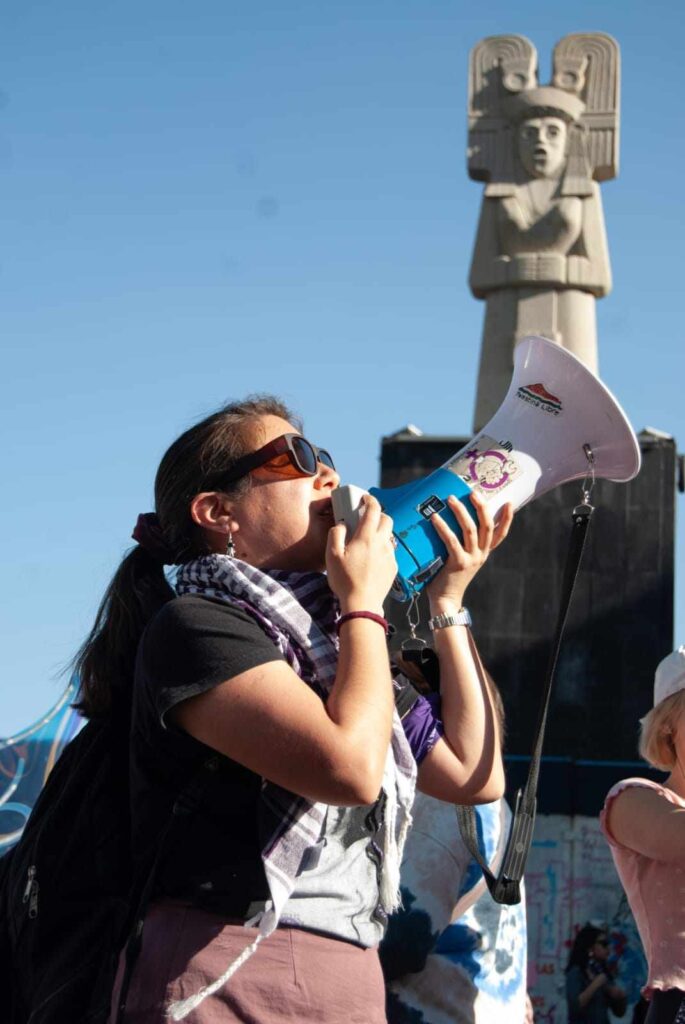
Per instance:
(211,511)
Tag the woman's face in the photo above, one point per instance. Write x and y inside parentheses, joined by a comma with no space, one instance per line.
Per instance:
(600,948)
(283,523)
(542,146)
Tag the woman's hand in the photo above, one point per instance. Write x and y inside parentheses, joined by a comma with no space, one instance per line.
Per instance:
(465,558)
(362,566)
(466,765)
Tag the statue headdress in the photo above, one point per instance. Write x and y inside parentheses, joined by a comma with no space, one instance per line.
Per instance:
(504,90)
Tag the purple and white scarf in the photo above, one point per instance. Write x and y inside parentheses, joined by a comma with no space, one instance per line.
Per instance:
(298,612)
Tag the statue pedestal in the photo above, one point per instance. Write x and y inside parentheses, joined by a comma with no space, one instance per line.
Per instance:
(621,619)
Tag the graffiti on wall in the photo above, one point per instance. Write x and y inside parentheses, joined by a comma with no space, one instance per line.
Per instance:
(470,968)
(571,880)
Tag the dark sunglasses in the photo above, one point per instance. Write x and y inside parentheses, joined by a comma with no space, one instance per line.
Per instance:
(289,455)
(602,942)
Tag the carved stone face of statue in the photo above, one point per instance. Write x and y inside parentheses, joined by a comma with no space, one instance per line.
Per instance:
(542,146)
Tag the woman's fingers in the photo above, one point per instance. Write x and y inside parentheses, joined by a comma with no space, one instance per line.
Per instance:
(370,517)
(503,525)
(362,563)
(337,536)
(385,526)
(372,522)
(478,540)
(486,524)
(470,532)
(465,558)
(468,527)
(449,538)
(374,519)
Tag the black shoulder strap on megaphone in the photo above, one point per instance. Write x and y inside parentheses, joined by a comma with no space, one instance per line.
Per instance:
(505,887)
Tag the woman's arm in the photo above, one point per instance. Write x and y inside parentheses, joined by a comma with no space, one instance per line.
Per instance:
(579,992)
(466,765)
(269,720)
(647,822)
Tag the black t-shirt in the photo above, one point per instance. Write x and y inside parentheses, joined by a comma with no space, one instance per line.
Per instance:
(192,645)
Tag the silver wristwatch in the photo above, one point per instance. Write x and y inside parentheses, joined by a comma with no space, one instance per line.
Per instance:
(462,618)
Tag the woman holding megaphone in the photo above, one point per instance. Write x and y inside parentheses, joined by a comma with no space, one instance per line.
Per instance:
(267,663)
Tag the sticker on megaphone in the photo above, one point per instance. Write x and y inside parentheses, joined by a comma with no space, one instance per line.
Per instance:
(556,415)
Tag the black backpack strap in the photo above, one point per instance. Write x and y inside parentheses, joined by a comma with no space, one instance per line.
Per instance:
(505,887)
(186,803)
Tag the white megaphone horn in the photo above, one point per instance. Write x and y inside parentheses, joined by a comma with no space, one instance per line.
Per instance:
(557,423)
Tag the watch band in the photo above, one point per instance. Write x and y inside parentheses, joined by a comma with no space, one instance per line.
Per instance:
(462,618)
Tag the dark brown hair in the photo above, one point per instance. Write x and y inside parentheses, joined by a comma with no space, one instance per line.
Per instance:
(582,944)
(139,588)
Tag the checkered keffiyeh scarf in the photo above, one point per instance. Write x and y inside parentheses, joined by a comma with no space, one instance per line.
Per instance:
(298,612)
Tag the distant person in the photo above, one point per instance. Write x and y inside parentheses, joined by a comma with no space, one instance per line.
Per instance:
(590,987)
(645,825)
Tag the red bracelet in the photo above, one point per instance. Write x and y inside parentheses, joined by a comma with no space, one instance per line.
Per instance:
(364,615)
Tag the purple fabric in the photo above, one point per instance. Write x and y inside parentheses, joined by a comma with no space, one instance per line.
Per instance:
(423,726)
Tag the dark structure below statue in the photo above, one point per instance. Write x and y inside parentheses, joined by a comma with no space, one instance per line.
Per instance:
(621,619)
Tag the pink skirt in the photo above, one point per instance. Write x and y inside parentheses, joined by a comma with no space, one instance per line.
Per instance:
(294,976)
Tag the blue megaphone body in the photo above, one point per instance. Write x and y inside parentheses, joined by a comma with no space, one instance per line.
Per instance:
(419,552)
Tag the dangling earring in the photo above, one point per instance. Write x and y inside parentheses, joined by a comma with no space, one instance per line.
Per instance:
(230,546)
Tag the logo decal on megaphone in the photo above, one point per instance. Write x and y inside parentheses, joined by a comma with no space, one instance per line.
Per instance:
(539,396)
(486,465)
(538,439)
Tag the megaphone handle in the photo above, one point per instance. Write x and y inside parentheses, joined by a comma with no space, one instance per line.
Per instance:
(504,886)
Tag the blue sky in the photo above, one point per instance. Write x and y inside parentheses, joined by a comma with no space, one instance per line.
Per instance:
(202,202)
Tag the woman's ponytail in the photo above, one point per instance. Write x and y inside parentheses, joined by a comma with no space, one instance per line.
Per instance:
(107,657)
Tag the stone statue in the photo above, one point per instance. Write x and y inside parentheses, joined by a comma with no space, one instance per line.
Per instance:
(541,256)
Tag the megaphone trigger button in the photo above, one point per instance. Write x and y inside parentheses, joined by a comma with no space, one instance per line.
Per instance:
(430,506)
